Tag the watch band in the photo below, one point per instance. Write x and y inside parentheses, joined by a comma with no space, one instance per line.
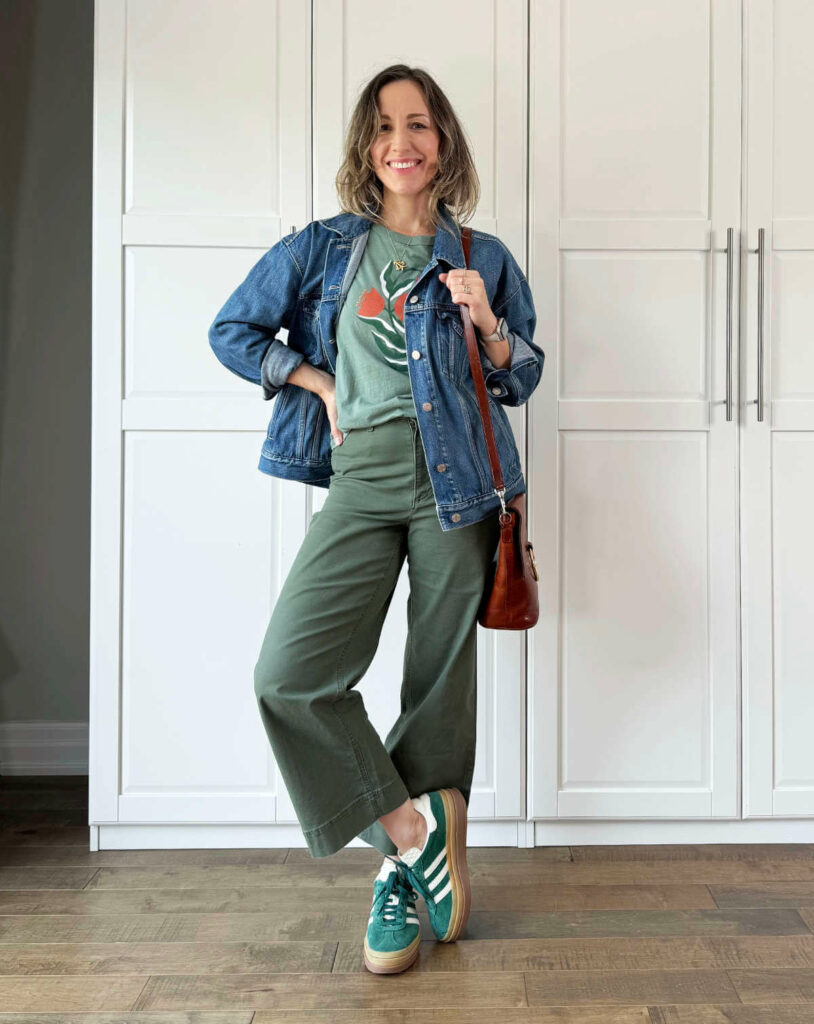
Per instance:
(500,333)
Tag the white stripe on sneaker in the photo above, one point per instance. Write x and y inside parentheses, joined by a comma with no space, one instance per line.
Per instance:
(447,888)
(441,876)
(431,867)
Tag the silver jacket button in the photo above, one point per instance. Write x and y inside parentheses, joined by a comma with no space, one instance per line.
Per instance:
(426,406)
(415,354)
(413,298)
(495,391)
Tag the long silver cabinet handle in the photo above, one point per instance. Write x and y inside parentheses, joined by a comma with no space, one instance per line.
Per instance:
(730,262)
(761,251)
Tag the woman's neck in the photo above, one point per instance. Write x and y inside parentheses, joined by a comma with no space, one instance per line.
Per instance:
(406,218)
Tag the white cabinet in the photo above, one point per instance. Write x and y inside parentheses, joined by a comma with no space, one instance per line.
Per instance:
(629,163)
(672,527)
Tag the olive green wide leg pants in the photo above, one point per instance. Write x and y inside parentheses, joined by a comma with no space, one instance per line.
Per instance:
(325,628)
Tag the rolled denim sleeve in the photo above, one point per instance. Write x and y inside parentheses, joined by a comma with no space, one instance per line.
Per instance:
(514,384)
(242,334)
(278,364)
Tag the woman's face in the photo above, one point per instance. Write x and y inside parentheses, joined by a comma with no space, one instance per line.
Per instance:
(407,135)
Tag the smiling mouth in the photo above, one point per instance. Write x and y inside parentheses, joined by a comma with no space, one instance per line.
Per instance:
(411,164)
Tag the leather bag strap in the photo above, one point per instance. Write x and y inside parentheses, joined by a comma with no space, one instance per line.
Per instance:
(480,385)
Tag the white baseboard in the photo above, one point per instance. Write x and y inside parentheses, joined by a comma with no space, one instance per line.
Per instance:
(479,833)
(43,748)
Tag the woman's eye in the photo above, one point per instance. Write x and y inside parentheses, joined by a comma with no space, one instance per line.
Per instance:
(415,124)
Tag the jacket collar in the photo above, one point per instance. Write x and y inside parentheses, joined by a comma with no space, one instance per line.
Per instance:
(448,246)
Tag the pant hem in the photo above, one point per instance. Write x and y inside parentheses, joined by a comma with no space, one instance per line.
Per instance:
(333,835)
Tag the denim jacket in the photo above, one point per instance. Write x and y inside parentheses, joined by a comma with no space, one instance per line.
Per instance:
(301,283)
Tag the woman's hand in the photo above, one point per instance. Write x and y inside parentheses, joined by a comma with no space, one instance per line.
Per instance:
(323,384)
(328,395)
(497,352)
(479,309)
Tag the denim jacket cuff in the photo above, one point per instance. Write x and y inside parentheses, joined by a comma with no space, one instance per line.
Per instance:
(278,364)
(498,380)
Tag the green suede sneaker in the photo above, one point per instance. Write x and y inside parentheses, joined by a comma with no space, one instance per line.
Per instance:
(392,939)
(438,872)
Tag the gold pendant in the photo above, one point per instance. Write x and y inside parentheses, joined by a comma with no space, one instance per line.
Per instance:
(399,264)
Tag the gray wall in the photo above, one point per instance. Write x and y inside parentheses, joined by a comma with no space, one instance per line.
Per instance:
(46,69)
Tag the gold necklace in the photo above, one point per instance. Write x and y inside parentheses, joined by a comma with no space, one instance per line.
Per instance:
(399,264)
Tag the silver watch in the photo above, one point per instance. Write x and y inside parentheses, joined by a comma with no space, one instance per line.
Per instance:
(501,333)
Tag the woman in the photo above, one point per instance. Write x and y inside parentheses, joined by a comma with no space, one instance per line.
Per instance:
(376,400)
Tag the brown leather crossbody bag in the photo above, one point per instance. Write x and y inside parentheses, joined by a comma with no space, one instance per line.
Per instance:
(510,597)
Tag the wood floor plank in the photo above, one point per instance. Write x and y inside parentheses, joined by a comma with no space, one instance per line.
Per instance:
(45,878)
(300,923)
(130,1017)
(568,987)
(733,1013)
(787,985)
(474,855)
(583,924)
(318,875)
(35,782)
(313,992)
(76,857)
(57,995)
(807,916)
(117,958)
(554,896)
(277,899)
(608,954)
(44,797)
(45,835)
(22,818)
(763,894)
(694,851)
(522,1015)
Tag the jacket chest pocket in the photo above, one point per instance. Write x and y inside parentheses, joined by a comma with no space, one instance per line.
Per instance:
(307,337)
(454,358)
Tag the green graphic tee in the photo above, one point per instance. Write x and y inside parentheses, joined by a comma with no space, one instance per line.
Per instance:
(372,376)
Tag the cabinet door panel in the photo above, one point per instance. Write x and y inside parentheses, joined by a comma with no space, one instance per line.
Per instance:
(201,163)
(777,450)
(635,521)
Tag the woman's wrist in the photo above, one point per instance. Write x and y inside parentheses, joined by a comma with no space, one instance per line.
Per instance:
(311,378)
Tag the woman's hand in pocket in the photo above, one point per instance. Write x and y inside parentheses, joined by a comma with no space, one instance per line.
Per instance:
(323,384)
(328,395)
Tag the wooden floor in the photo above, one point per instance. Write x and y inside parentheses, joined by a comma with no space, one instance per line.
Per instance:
(573,935)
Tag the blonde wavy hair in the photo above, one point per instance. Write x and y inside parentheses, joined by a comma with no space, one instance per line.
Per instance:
(455,184)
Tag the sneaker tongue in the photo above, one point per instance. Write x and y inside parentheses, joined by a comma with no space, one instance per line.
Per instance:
(387,868)
(410,856)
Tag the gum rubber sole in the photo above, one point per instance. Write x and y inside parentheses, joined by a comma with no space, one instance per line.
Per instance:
(456,813)
(392,963)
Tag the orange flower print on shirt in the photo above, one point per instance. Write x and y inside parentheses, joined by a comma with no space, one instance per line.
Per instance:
(398,306)
(370,304)
(385,316)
